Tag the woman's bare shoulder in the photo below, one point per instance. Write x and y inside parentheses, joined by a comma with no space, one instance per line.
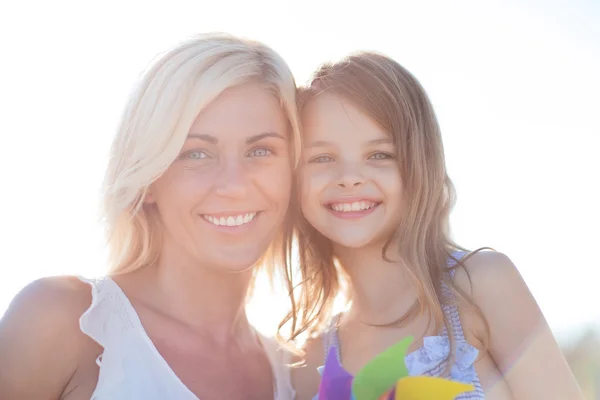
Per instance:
(58,298)
(40,327)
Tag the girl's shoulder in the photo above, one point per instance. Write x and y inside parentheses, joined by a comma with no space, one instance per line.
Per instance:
(495,286)
(305,374)
(485,270)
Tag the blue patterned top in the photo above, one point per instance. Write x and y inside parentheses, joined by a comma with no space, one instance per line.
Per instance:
(431,358)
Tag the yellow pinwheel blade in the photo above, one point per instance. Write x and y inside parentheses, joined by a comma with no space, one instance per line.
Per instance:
(429,388)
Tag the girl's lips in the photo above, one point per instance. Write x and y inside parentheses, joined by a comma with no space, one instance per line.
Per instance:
(354,212)
(356,204)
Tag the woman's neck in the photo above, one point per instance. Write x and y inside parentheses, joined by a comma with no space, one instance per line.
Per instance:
(208,300)
(381,291)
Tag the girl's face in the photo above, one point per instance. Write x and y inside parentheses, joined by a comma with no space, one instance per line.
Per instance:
(350,184)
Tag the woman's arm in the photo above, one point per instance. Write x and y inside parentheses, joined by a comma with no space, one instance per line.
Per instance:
(521,342)
(40,341)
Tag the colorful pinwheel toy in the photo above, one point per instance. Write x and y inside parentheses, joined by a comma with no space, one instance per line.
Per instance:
(385,377)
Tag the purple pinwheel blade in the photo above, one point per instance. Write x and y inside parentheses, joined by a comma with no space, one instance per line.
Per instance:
(336,383)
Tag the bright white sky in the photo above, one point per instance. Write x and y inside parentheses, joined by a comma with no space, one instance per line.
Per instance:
(515,85)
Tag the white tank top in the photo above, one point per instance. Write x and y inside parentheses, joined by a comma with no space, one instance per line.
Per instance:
(131,367)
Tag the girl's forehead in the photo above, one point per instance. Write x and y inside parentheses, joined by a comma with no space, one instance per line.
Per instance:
(330,115)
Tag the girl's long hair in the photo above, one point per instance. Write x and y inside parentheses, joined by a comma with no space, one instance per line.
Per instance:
(394,99)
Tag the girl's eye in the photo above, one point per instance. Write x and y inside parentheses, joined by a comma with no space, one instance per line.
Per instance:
(194,155)
(321,159)
(381,156)
(260,152)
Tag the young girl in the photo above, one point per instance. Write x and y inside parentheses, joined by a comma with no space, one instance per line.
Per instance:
(376,199)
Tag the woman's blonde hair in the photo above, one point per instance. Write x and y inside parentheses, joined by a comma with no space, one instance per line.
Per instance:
(156,122)
(395,100)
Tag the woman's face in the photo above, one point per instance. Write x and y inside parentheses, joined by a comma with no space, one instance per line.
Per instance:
(224,199)
(350,184)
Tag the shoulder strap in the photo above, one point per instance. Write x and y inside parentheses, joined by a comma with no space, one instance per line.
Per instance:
(451,310)
(107,317)
(330,339)
(280,360)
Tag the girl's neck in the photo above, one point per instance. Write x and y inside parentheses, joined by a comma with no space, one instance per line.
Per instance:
(381,291)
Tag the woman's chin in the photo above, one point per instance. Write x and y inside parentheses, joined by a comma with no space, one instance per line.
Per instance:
(234,266)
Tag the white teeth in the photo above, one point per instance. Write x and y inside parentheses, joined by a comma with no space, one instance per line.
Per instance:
(233,220)
(354,206)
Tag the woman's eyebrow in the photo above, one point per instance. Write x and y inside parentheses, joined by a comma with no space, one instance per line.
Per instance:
(260,136)
(206,138)
(252,139)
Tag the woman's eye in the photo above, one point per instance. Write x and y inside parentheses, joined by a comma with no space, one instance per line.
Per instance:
(381,156)
(194,155)
(321,159)
(260,152)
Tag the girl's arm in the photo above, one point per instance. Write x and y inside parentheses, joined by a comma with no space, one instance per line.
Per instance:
(521,342)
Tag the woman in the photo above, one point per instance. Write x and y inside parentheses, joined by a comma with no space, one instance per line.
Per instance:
(196,193)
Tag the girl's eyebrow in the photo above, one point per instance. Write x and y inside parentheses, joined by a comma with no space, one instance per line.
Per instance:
(385,140)
(323,143)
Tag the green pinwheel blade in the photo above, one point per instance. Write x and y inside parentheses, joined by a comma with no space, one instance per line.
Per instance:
(382,372)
